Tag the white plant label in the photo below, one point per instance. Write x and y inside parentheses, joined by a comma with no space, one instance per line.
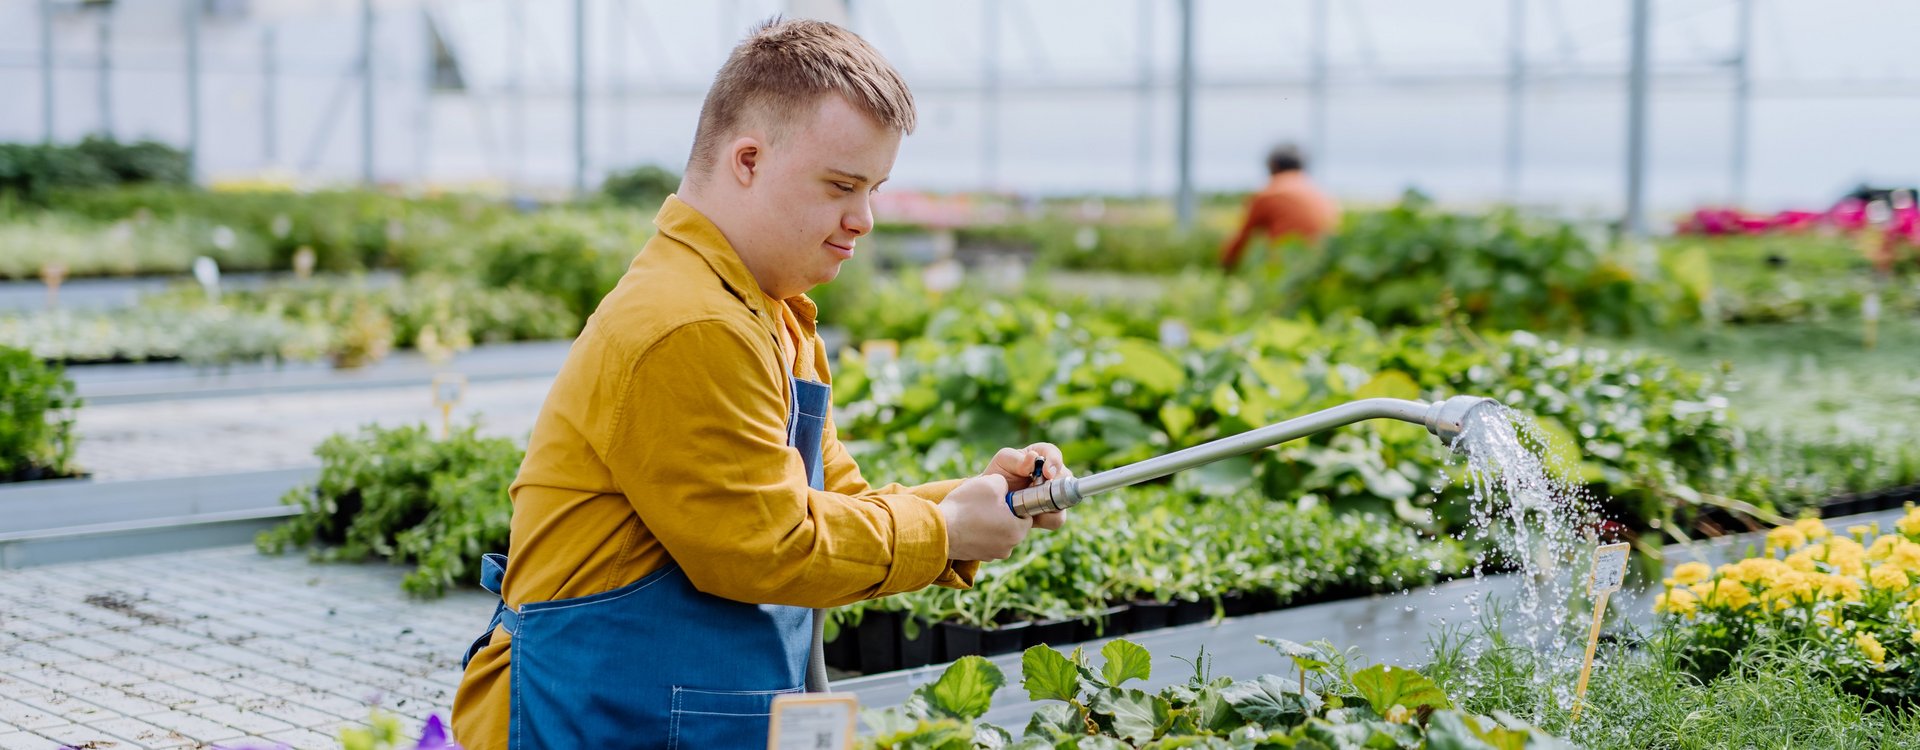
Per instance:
(812,721)
(1609,568)
(448,389)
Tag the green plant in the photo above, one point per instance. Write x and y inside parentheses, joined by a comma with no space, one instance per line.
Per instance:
(1376,707)
(34,171)
(402,495)
(37,404)
(572,257)
(642,187)
(1412,264)
(201,336)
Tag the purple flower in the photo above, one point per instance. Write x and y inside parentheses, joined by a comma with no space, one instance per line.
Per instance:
(433,736)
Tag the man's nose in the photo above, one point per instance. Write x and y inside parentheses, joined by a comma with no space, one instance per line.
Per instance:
(858,222)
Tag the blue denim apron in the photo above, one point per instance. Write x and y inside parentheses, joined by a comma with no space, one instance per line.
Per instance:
(657,663)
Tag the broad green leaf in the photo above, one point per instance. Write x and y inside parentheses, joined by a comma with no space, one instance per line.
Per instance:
(1030,361)
(965,690)
(1384,686)
(1283,377)
(1452,730)
(1055,721)
(1176,419)
(1210,711)
(1226,400)
(1126,660)
(1146,363)
(1099,742)
(990,737)
(1048,675)
(1270,702)
(1304,657)
(1136,715)
(1389,384)
(1218,479)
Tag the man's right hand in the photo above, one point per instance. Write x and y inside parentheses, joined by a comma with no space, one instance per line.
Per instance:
(979,525)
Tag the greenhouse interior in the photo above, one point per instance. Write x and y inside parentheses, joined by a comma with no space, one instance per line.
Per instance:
(1105,374)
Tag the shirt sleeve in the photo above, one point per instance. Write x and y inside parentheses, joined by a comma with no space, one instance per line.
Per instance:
(699,448)
(843,475)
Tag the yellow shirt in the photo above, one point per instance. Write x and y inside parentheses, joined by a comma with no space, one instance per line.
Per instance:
(664,439)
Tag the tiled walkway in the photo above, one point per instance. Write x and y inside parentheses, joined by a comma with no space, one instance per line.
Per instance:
(220,646)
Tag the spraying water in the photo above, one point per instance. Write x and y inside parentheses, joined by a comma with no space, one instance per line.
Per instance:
(1535,520)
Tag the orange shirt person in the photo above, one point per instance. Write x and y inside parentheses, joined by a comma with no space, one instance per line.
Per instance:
(1289,206)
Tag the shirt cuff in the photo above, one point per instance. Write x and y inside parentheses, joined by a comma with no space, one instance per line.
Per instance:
(919,544)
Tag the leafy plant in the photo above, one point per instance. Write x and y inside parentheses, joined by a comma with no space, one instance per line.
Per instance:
(1378,707)
(37,404)
(401,495)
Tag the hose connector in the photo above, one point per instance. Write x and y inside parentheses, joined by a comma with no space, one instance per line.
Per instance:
(1049,497)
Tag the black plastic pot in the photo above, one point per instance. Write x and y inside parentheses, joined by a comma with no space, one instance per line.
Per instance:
(1241,604)
(967,640)
(1869,502)
(844,652)
(1188,613)
(1051,633)
(921,651)
(1114,622)
(879,638)
(1145,616)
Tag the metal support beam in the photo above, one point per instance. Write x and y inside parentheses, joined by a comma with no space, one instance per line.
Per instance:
(103,64)
(1742,104)
(990,95)
(516,88)
(1321,27)
(617,50)
(269,98)
(1635,221)
(194,8)
(366,92)
(1143,166)
(1185,199)
(46,70)
(1516,93)
(579,97)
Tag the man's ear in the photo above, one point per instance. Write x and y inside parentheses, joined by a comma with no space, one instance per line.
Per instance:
(743,159)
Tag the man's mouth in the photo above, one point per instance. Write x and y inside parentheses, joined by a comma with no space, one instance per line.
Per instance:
(844,251)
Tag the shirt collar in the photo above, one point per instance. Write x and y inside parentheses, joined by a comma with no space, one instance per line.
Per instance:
(693,229)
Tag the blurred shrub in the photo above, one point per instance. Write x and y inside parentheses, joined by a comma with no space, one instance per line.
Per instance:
(644,186)
(37,404)
(32,172)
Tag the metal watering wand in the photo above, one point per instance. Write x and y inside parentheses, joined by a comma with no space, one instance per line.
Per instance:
(1445,419)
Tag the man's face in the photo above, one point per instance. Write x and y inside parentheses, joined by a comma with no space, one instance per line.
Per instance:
(812,195)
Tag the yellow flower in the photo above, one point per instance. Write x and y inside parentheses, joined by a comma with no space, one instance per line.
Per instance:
(1788,538)
(1813,528)
(1875,652)
(1722,593)
(1840,588)
(1789,587)
(1906,555)
(1676,601)
(1889,578)
(1912,615)
(1691,573)
(1883,547)
(1915,638)
(1910,523)
(1802,561)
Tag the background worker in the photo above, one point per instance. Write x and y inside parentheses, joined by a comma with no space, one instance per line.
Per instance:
(1289,206)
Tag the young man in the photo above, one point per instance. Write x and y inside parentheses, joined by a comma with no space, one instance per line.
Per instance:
(685,498)
(1289,206)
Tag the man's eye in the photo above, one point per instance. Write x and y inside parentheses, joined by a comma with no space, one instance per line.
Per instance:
(844,187)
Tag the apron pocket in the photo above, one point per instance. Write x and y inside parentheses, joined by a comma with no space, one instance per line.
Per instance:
(721,719)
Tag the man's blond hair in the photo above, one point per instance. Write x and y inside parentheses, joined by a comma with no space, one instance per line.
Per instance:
(778,74)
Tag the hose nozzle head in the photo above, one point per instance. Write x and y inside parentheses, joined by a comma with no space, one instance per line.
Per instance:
(1447,419)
